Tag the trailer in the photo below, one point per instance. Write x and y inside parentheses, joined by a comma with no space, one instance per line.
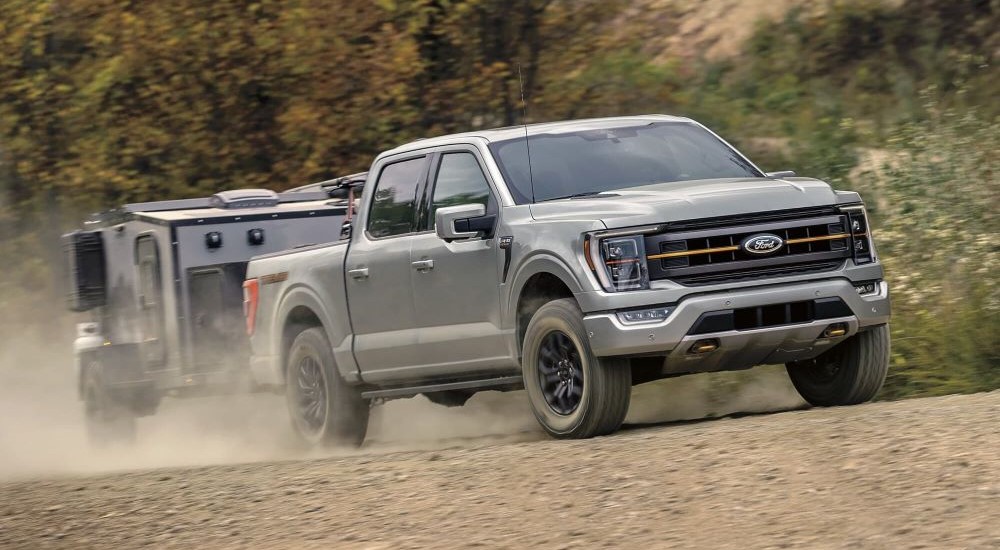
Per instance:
(162,285)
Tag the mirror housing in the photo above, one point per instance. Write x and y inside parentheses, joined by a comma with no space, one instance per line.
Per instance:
(780,174)
(449,221)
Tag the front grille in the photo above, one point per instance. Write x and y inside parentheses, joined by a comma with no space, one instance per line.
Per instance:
(713,255)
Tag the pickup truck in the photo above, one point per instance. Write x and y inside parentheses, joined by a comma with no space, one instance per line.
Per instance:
(574,260)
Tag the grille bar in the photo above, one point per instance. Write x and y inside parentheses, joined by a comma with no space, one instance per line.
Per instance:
(816,239)
(692,252)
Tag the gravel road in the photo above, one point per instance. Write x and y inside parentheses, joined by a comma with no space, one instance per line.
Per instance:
(917,473)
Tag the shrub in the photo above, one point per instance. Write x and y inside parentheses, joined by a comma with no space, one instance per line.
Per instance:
(934,200)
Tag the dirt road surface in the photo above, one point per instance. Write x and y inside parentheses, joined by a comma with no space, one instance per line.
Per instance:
(918,473)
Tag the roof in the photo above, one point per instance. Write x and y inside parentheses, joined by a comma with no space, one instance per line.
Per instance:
(207,213)
(198,209)
(514,132)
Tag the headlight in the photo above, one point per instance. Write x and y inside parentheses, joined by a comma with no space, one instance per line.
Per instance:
(861,240)
(619,262)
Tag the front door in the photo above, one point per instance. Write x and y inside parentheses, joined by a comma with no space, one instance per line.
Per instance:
(378,273)
(456,285)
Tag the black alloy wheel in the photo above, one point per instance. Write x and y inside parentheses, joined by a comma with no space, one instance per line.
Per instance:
(573,393)
(560,373)
(311,396)
(324,409)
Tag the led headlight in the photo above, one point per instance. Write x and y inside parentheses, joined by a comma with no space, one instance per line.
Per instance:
(861,241)
(620,262)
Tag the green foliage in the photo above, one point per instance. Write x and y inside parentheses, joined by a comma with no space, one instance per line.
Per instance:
(934,195)
(859,60)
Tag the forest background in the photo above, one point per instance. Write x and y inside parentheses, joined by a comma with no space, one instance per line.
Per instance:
(110,101)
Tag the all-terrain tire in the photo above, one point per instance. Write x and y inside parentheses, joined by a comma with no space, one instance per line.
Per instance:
(325,410)
(852,372)
(573,393)
(109,420)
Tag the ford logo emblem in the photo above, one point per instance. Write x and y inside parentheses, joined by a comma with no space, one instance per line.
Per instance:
(762,244)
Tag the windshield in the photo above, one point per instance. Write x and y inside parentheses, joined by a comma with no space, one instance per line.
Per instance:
(597,160)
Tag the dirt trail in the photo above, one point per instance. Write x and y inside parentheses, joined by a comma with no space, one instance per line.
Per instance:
(917,473)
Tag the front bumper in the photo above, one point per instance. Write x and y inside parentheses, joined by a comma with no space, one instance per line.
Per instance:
(739,348)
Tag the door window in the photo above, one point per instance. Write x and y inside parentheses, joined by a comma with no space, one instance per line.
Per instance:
(393,209)
(460,180)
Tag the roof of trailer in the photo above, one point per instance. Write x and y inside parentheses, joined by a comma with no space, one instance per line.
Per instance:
(205,213)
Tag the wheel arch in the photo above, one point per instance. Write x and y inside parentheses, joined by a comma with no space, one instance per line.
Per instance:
(300,309)
(540,280)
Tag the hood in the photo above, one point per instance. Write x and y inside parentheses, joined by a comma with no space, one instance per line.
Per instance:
(687,200)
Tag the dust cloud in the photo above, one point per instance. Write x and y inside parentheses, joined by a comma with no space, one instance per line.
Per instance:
(713,395)
(42,431)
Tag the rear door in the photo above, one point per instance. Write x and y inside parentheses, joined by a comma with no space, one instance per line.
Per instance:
(456,285)
(378,272)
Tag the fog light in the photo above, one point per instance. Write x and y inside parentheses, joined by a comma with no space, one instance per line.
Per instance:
(651,315)
(867,287)
(704,346)
(835,330)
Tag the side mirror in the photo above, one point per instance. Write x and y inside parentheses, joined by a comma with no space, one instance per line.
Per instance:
(781,174)
(452,222)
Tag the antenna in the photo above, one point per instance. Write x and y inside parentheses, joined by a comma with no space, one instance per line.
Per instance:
(524,122)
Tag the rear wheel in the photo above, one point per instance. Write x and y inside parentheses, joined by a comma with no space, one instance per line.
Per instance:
(573,393)
(850,373)
(325,410)
(109,420)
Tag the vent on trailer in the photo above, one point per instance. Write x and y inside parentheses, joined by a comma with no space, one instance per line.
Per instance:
(85,262)
(244,198)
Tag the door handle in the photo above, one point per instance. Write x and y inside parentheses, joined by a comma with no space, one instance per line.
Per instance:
(423,265)
(358,273)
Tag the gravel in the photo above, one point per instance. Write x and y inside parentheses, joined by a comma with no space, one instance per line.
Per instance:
(917,473)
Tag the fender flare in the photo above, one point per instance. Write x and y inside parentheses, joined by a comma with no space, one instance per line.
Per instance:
(298,295)
(540,262)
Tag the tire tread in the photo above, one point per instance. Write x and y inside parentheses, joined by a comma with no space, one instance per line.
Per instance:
(864,363)
(609,379)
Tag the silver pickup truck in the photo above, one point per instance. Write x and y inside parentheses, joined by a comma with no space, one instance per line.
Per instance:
(573,259)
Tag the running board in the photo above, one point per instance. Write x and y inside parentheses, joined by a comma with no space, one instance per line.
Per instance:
(515,381)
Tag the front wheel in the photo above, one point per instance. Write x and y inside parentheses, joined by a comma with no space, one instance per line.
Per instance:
(850,373)
(325,410)
(573,393)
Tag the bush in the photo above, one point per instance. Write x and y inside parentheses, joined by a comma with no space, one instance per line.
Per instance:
(934,199)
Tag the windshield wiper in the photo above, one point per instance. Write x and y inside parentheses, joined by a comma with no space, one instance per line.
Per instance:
(576,196)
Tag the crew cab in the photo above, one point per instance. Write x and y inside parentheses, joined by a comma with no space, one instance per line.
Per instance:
(574,260)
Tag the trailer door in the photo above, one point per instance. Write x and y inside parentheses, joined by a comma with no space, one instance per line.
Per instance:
(150,288)
(218,330)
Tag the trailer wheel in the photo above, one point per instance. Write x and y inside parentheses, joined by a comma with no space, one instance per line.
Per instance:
(850,373)
(325,410)
(573,393)
(108,420)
